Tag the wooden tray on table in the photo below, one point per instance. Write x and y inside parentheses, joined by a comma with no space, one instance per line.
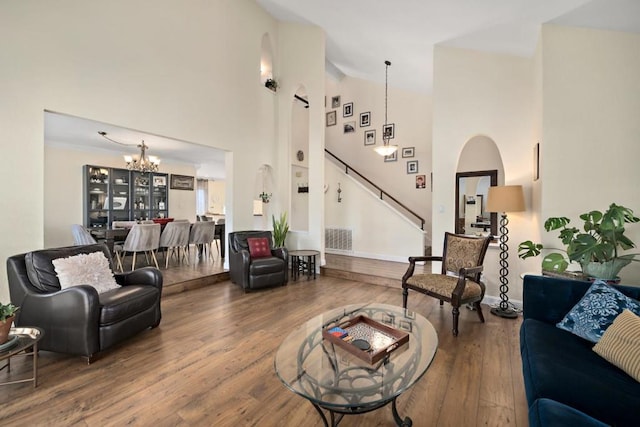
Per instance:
(366,338)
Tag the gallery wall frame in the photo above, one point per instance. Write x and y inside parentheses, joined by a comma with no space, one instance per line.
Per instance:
(408,151)
(335,101)
(392,157)
(365,119)
(349,127)
(370,137)
(347,109)
(331,118)
(389,131)
(181,182)
(412,166)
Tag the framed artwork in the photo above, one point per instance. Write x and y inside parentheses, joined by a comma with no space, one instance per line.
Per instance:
(536,161)
(389,131)
(349,127)
(408,152)
(412,166)
(181,182)
(365,119)
(420,181)
(331,118)
(392,158)
(370,137)
(159,181)
(335,101)
(347,109)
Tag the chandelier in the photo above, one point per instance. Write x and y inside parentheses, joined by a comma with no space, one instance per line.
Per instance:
(140,163)
(386,149)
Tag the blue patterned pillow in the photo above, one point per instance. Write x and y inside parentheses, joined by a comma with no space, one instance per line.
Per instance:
(596,311)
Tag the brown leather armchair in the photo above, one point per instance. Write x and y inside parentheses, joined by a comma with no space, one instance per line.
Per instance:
(260,272)
(78,320)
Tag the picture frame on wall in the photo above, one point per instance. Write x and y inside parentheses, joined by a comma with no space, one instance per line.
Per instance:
(370,137)
(420,181)
(365,119)
(331,118)
(536,161)
(389,131)
(349,127)
(347,109)
(181,182)
(408,151)
(392,157)
(412,166)
(335,101)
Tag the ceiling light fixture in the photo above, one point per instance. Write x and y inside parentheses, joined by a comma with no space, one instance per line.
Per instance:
(385,149)
(141,163)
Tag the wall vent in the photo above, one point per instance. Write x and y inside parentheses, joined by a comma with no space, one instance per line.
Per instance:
(340,239)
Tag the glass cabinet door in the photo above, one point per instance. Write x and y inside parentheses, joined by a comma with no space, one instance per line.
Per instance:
(119,194)
(140,195)
(97,201)
(159,196)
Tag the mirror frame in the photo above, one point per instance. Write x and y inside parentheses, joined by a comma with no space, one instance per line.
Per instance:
(493,175)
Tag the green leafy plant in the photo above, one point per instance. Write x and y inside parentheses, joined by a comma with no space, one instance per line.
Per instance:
(6,311)
(280,229)
(599,242)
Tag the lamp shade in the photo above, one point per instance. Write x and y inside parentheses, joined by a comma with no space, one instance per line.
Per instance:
(506,198)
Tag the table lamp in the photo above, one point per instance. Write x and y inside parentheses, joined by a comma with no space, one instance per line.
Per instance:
(503,199)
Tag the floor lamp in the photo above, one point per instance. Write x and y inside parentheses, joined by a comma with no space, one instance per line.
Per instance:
(507,198)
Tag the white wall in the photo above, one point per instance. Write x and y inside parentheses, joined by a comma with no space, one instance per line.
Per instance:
(63,192)
(591,128)
(411,114)
(488,94)
(379,231)
(189,72)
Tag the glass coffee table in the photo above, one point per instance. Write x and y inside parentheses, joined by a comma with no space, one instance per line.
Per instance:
(339,383)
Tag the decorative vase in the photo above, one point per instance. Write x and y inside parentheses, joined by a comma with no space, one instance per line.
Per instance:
(605,270)
(5,326)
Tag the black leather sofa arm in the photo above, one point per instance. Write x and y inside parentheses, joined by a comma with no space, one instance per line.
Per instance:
(142,276)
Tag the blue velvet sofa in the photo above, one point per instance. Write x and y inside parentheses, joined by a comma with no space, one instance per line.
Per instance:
(566,382)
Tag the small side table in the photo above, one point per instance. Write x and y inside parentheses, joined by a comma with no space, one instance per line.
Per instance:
(301,265)
(24,339)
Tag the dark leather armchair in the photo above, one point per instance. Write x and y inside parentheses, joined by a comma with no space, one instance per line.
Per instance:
(260,272)
(78,320)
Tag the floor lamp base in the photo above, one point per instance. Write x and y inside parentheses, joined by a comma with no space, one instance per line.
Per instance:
(507,313)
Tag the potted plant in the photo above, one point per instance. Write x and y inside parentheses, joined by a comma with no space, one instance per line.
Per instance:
(280,230)
(7,314)
(265,197)
(271,84)
(596,247)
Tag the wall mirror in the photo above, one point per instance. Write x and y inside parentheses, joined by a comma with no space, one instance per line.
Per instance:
(472,217)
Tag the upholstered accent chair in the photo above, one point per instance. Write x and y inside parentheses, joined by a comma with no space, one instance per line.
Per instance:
(81,236)
(459,280)
(254,272)
(77,318)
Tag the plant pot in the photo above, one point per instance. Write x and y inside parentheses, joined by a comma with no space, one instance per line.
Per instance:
(605,270)
(4,329)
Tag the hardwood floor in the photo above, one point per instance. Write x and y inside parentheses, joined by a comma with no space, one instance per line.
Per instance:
(210,363)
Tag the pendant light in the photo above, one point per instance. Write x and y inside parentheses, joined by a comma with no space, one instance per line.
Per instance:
(386,149)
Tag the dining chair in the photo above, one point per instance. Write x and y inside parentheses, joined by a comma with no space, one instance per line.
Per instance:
(175,237)
(81,236)
(459,279)
(201,235)
(142,238)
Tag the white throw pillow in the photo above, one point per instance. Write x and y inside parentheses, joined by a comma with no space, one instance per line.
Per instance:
(85,269)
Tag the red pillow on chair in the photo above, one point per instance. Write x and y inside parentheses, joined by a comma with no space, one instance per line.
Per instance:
(259,247)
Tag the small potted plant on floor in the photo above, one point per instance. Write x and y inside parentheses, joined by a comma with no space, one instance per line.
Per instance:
(596,247)
(280,230)
(7,314)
